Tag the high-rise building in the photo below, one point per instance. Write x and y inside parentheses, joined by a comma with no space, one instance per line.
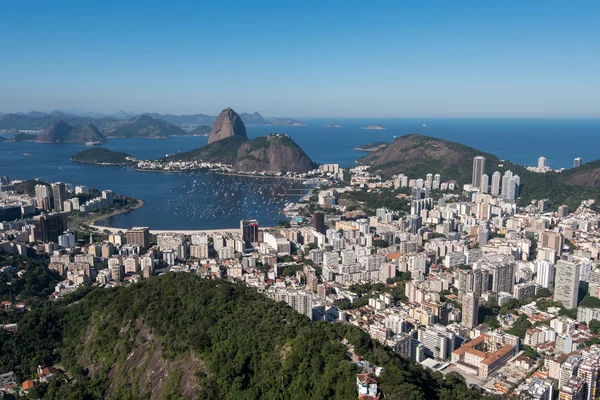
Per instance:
(478,170)
(589,371)
(563,211)
(470,310)
(48,227)
(485,183)
(545,273)
(496,177)
(553,240)
(139,236)
(42,197)
(108,195)
(437,341)
(541,162)
(502,277)
(59,193)
(510,185)
(567,283)
(319,222)
(572,390)
(577,162)
(249,231)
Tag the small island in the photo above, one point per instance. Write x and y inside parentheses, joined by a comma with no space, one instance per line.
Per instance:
(23,137)
(102,156)
(332,126)
(372,146)
(374,127)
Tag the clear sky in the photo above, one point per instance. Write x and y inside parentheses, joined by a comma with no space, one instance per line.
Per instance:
(303,58)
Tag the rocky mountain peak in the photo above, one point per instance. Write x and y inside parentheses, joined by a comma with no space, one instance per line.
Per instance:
(227,124)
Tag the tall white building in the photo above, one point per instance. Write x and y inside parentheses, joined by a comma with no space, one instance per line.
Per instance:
(496,177)
(567,283)
(485,183)
(541,162)
(545,273)
(577,162)
(478,170)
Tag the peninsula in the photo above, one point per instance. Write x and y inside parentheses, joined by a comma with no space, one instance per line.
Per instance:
(372,146)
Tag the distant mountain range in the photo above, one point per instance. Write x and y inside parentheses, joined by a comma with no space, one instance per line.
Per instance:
(108,123)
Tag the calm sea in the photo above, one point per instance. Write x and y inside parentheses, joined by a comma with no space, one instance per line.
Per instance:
(209,201)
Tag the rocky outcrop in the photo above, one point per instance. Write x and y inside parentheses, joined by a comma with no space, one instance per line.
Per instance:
(57,132)
(228,124)
(85,133)
(273,153)
(61,132)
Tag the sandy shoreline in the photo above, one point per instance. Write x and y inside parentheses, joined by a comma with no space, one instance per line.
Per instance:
(180,231)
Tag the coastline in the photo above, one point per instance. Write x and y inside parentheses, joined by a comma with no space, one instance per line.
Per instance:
(177,231)
(91,221)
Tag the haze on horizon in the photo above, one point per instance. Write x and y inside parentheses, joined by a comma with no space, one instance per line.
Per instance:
(305,59)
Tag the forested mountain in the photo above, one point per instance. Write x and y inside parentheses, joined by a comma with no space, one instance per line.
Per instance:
(178,336)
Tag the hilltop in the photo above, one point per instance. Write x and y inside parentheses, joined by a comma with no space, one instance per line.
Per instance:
(275,153)
(228,124)
(178,336)
(417,155)
(228,144)
(61,132)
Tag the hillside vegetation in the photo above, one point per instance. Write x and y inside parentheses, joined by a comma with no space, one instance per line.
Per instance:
(177,336)
(417,155)
(100,155)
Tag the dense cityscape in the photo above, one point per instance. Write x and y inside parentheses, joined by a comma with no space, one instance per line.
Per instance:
(457,280)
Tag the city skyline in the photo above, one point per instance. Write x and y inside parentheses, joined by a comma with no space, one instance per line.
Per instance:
(395,60)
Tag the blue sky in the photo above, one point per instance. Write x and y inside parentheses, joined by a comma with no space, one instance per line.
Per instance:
(303,58)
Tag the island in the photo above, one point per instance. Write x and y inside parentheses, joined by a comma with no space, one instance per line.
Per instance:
(332,126)
(23,137)
(372,146)
(374,127)
(102,156)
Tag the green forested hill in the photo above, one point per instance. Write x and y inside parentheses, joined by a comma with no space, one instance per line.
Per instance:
(177,336)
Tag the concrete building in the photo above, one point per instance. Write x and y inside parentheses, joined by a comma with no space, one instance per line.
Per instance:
(139,236)
(478,171)
(48,227)
(470,310)
(567,283)
(278,242)
(59,194)
(249,232)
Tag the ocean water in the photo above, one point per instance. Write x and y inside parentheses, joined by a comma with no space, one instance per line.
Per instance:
(210,201)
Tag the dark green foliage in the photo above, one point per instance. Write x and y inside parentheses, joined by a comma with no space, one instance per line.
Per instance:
(23,137)
(370,201)
(590,302)
(28,187)
(520,327)
(594,326)
(100,155)
(223,151)
(250,346)
(36,281)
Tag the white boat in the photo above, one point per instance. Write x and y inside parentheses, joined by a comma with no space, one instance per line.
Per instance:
(92,143)
(424,124)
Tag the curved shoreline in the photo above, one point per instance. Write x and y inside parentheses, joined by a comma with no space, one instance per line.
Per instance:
(91,222)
